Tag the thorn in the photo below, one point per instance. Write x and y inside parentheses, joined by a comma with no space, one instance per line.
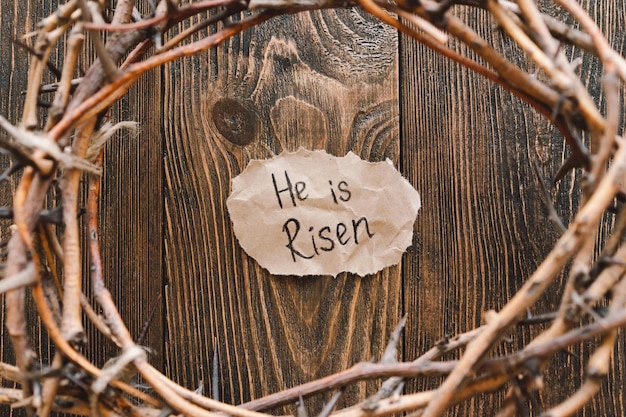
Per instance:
(603,262)
(119,368)
(215,374)
(157,38)
(36,403)
(609,260)
(386,390)
(200,388)
(144,330)
(439,9)
(172,9)
(6,213)
(580,155)
(302,412)
(53,216)
(136,15)
(328,408)
(553,215)
(11,170)
(579,301)
(166,411)
(539,319)
(110,68)
(45,372)
(389,356)
(443,342)
(398,391)
(153,7)
(519,398)
(53,87)
(571,163)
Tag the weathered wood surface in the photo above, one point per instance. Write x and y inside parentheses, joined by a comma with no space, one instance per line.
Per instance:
(286,84)
(15,17)
(468,147)
(132,196)
(325,81)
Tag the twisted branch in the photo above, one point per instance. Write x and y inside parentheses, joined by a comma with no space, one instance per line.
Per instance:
(73,119)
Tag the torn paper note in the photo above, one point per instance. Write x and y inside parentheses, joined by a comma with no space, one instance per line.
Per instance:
(310,213)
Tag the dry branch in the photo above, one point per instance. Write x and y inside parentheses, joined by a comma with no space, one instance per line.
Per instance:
(69,147)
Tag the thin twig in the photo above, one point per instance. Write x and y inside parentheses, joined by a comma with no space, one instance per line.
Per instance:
(110,68)
(63,346)
(50,32)
(64,87)
(231,9)
(71,323)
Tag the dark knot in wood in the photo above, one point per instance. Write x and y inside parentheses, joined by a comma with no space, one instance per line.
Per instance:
(236,120)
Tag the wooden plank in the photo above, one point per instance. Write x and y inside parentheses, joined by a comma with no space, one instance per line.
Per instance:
(469,148)
(319,80)
(132,203)
(131,221)
(131,218)
(15,19)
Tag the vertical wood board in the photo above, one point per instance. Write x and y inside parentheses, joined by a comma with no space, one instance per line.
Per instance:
(15,18)
(469,147)
(322,80)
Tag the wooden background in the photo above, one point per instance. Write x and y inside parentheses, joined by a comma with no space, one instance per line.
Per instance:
(339,81)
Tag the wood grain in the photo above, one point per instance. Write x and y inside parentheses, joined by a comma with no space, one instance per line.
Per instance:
(286,84)
(131,221)
(131,218)
(324,80)
(15,18)
(132,203)
(469,146)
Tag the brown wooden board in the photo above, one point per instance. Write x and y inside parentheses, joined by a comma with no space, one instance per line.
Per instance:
(131,217)
(322,80)
(15,19)
(468,146)
(132,196)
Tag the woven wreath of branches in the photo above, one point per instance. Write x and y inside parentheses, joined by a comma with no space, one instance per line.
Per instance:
(70,146)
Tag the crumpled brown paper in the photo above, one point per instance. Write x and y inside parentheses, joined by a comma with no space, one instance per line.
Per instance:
(311,213)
